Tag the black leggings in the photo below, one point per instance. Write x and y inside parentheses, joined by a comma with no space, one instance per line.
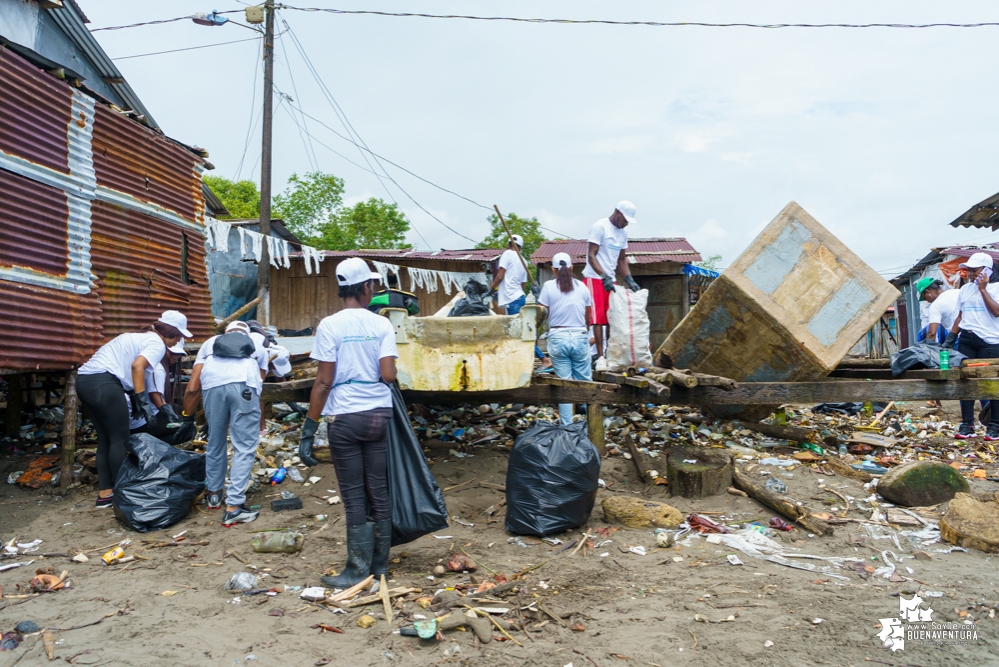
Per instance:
(358,443)
(104,398)
(973,347)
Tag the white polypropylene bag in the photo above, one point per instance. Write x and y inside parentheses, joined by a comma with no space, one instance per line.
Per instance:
(629,329)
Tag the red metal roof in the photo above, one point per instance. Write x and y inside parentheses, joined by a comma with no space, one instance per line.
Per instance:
(640,251)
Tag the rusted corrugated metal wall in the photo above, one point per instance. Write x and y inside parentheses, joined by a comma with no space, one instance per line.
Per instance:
(102,224)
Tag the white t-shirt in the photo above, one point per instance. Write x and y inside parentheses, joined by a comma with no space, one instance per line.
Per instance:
(611,241)
(944,309)
(356,339)
(510,288)
(155,384)
(218,371)
(117,356)
(975,317)
(565,310)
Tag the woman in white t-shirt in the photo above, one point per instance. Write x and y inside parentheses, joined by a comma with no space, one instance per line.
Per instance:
(356,352)
(101,383)
(568,302)
(978,323)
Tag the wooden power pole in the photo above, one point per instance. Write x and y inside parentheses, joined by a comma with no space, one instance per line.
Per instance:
(264,267)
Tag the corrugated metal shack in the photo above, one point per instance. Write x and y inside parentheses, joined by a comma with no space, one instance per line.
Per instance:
(232,275)
(102,215)
(300,299)
(663,266)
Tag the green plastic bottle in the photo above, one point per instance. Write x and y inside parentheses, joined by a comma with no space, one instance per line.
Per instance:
(945,360)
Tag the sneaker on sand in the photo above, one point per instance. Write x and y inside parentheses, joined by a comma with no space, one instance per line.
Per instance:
(241,514)
(214,500)
(105,502)
(992,432)
(965,432)
(600,365)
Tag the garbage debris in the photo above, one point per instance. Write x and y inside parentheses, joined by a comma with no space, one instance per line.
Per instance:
(277,541)
(241,581)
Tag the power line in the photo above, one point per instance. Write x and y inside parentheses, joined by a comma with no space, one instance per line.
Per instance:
(310,151)
(189,48)
(161,21)
(654,24)
(253,104)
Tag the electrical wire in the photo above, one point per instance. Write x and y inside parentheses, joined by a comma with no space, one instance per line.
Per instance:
(310,151)
(189,48)
(253,103)
(654,24)
(161,21)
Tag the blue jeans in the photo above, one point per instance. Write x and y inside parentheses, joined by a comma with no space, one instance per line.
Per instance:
(570,352)
(513,308)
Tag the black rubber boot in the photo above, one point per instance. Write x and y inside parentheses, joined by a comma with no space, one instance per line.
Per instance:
(383,542)
(360,546)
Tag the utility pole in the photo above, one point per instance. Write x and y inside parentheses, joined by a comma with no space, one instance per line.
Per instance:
(264,267)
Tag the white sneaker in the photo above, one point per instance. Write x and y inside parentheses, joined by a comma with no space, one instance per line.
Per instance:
(600,365)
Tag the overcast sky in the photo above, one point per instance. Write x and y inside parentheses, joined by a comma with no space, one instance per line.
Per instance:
(884,135)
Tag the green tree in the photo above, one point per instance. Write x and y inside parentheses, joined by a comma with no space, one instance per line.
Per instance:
(529,228)
(367,224)
(242,198)
(711,263)
(309,204)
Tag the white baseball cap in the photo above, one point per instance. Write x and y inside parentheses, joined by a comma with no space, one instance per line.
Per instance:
(176,319)
(353,271)
(518,239)
(561,257)
(627,209)
(178,348)
(238,325)
(977,261)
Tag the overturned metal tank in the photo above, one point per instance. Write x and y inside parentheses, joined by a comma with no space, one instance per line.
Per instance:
(788,309)
(480,353)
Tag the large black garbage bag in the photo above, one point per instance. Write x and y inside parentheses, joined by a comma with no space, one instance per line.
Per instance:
(551,480)
(171,434)
(157,484)
(923,355)
(473,303)
(417,502)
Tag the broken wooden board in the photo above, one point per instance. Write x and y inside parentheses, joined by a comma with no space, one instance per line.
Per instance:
(873,439)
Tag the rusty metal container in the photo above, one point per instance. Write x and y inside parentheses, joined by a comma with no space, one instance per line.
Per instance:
(484,353)
(789,308)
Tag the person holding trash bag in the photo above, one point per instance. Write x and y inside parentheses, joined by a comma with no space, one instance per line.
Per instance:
(118,367)
(356,353)
(228,376)
(156,381)
(568,303)
(978,324)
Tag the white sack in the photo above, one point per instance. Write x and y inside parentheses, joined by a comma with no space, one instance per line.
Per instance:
(629,329)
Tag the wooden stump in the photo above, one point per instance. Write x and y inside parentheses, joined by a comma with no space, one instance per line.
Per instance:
(595,426)
(710,473)
(68,430)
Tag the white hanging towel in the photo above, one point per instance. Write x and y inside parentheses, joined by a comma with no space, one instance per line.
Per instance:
(383,270)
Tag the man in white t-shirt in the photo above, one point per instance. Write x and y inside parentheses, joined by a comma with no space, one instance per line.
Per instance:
(229,375)
(508,283)
(943,309)
(605,255)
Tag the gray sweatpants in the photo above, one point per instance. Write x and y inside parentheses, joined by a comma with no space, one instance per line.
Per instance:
(228,412)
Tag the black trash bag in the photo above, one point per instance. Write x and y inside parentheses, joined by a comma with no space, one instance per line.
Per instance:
(157,484)
(417,502)
(551,479)
(473,303)
(163,429)
(922,355)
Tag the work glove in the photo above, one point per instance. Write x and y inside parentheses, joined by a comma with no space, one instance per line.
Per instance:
(608,283)
(536,291)
(492,295)
(142,408)
(170,413)
(309,429)
(632,285)
(951,341)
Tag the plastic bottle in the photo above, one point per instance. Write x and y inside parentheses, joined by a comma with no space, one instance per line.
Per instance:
(278,476)
(842,449)
(295,475)
(775,484)
(945,360)
(277,541)
(778,523)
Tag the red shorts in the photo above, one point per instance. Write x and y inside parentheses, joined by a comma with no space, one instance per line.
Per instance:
(601,300)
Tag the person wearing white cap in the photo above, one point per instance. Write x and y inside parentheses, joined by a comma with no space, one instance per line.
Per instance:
(978,324)
(228,376)
(568,303)
(119,366)
(605,255)
(356,352)
(508,283)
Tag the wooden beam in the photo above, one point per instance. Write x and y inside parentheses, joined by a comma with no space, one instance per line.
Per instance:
(834,391)
(865,363)
(537,394)
(555,381)
(295,390)
(916,374)
(239,313)
(69,406)
(595,426)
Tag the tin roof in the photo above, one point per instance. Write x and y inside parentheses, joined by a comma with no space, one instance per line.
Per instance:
(640,251)
(938,255)
(983,214)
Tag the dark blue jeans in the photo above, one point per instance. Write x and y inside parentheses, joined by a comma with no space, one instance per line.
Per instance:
(973,347)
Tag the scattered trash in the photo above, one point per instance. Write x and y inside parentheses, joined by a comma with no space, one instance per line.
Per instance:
(638,550)
(277,541)
(313,594)
(734,560)
(366,621)
(775,485)
(241,581)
